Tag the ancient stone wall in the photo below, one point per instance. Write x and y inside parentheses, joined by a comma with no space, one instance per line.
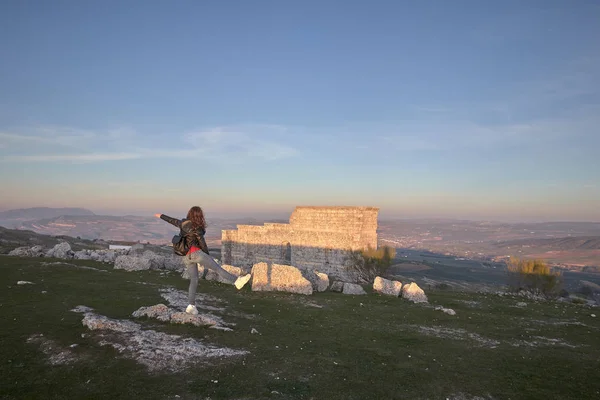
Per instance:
(318,238)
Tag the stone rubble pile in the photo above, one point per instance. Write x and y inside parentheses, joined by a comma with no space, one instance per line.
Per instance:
(134,259)
(158,351)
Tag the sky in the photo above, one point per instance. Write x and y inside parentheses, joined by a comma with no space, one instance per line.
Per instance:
(455,109)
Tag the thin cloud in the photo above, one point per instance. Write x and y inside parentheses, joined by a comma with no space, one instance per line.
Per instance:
(218,144)
(75,158)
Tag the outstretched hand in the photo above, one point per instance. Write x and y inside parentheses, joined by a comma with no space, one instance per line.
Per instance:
(157,215)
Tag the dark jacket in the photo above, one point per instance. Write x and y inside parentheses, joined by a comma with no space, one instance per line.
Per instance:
(196,239)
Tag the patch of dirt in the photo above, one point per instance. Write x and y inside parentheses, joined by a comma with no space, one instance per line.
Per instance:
(456,334)
(45,264)
(157,351)
(471,303)
(462,396)
(538,341)
(56,353)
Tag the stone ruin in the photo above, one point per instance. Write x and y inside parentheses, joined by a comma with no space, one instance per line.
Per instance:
(316,238)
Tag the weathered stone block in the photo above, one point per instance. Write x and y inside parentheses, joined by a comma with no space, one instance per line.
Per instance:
(385,286)
(276,277)
(414,293)
(353,288)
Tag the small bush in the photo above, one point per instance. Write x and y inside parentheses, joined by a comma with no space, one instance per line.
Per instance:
(534,276)
(367,264)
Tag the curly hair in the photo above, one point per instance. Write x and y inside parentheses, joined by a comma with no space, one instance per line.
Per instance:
(197,217)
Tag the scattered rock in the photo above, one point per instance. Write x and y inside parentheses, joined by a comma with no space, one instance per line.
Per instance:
(132,263)
(159,311)
(448,311)
(35,251)
(385,286)
(414,293)
(337,286)
(61,250)
(521,304)
(593,315)
(57,354)
(253,331)
(276,277)
(25,283)
(353,288)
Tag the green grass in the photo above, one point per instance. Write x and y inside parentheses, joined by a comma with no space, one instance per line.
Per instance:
(354,347)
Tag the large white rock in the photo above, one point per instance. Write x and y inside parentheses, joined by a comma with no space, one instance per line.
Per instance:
(61,250)
(385,286)
(414,293)
(132,263)
(353,288)
(276,277)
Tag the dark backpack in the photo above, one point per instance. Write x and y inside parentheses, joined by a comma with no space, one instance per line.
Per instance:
(181,242)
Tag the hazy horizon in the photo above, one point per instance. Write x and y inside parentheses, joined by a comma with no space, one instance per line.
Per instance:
(435,109)
(285,214)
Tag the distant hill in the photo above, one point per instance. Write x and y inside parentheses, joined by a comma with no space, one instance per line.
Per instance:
(25,214)
(557,244)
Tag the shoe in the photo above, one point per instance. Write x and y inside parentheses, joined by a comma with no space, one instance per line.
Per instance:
(242,280)
(191,309)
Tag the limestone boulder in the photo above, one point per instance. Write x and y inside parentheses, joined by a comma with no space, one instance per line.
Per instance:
(282,278)
(35,251)
(353,288)
(414,293)
(132,263)
(82,255)
(318,280)
(386,286)
(61,250)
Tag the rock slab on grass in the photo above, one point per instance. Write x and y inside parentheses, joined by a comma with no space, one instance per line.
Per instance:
(414,293)
(353,288)
(281,278)
(385,286)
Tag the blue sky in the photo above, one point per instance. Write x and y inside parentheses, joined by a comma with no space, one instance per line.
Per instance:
(469,109)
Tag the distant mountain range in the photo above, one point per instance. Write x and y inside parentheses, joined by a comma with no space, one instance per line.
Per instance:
(562,244)
(25,214)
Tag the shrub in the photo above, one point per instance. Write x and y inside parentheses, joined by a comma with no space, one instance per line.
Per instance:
(367,264)
(535,276)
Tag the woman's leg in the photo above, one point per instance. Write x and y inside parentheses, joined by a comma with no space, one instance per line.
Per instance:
(207,261)
(192,270)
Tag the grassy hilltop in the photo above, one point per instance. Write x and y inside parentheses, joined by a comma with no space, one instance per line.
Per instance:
(325,346)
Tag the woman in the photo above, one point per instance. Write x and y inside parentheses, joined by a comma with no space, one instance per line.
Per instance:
(194,227)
